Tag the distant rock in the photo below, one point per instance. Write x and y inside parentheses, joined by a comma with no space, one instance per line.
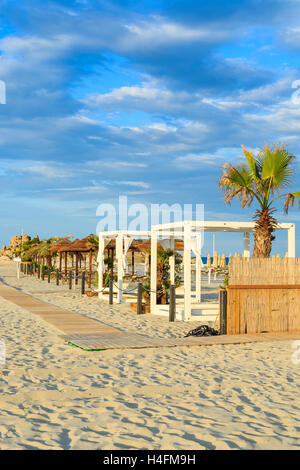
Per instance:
(5,259)
(16,242)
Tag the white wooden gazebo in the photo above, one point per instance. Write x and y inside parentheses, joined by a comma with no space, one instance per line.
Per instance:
(192,234)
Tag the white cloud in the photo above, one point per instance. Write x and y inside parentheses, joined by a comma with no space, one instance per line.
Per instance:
(292,36)
(223,105)
(194,159)
(124,164)
(51,170)
(99,164)
(161,126)
(85,189)
(47,171)
(159,31)
(217,158)
(138,184)
(146,97)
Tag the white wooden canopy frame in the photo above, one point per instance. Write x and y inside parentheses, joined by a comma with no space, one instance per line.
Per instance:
(191,232)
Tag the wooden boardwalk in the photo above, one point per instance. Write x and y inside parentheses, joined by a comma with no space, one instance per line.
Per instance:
(90,334)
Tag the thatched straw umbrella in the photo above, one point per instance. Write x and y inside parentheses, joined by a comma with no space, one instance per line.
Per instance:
(64,248)
(145,247)
(223,261)
(79,247)
(215,260)
(59,247)
(208,262)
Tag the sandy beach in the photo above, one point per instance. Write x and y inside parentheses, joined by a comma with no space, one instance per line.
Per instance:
(56,396)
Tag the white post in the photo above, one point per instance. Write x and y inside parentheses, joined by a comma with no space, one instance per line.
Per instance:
(18,260)
(209,276)
(100,263)
(292,241)
(18,270)
(187,271)
(146,264)
(119,255)
(172,263)
(246,245)
(153,277)
(198,278)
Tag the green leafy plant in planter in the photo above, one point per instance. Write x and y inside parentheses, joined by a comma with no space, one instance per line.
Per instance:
(95,281)
(109,264)
(106,279)
(163,273)
(146,291)
(225,283)
(109,270)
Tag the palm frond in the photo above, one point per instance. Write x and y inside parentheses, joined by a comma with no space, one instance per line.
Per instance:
(290,200)
(253,165)
(93,241)
(277,169)
(237,181)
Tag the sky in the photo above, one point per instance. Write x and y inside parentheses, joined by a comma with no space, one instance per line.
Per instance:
(144,99)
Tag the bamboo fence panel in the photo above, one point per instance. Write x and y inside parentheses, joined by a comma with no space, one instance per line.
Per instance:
(263,295)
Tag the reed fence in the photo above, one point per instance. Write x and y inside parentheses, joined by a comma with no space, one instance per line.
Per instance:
(263,295)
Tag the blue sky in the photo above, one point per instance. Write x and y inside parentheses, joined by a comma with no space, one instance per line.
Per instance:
(140,98)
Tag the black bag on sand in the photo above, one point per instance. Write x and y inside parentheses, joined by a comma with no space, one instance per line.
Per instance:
(203,330)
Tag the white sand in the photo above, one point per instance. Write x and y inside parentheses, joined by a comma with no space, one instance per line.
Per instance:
(55,396)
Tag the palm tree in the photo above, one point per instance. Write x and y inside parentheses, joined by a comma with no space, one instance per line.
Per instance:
(93,241)
(25,250)
(163,272)
(109,262)
(42,249)
(265,179)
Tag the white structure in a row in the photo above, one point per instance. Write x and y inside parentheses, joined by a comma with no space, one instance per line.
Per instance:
(191,232)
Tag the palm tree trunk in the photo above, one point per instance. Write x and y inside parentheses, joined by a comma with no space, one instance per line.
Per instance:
(262,244)
(265,226)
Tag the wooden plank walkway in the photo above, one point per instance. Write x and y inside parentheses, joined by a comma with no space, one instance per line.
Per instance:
(132,341)
(90,334)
